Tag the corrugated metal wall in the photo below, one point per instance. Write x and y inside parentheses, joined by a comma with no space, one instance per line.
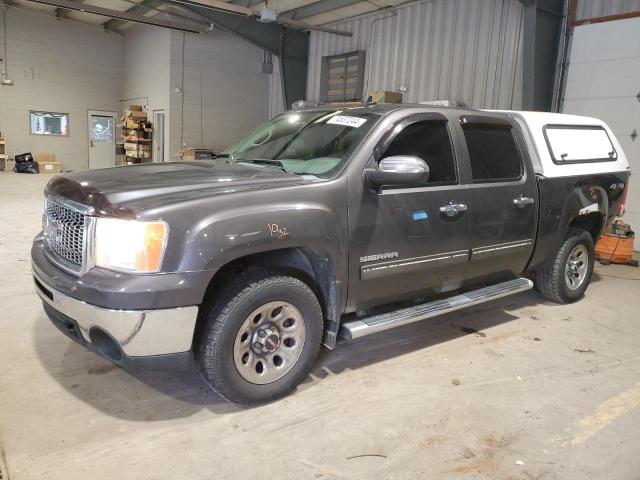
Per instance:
(468,50)
(600,8)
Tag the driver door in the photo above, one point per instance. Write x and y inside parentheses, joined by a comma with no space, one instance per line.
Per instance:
(410,241)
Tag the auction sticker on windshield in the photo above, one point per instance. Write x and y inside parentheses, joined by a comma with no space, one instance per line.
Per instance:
(347,121)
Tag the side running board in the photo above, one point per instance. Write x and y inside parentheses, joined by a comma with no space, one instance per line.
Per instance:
(385,321)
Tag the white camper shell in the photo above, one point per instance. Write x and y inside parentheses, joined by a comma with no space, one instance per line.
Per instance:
(569,145)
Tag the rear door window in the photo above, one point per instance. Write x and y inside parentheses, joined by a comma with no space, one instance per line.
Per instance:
(571,144)
(493,153)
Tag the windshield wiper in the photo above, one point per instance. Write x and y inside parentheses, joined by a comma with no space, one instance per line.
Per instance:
(220,155)
(264,161)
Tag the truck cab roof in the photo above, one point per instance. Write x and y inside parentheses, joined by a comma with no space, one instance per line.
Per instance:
(560,145)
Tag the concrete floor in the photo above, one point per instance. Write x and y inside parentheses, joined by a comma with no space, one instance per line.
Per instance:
(545,392)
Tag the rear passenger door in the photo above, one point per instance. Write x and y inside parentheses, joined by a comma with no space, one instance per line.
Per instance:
(503,201)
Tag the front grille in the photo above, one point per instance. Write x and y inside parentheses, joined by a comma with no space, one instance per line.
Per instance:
(64,230)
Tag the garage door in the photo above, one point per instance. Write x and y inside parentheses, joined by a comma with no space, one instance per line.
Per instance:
(603,80)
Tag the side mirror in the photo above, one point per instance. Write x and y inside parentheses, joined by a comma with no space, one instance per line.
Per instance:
(398,171)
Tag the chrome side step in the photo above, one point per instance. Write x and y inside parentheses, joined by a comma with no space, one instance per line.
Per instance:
(385,321)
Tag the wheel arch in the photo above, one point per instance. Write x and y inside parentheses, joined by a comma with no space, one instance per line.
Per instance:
(565,206)
(316,268)
(593,223)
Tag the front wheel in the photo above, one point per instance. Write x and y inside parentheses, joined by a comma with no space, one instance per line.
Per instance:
(258,341)
(565,277)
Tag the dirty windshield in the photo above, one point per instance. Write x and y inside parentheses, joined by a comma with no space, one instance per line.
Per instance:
(305,143)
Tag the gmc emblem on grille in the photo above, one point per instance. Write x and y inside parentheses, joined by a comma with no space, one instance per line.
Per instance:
(53,232)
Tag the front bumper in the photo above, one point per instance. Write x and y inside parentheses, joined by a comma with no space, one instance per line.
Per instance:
(120,335)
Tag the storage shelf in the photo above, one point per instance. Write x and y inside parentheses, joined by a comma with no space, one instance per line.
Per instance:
(4,156)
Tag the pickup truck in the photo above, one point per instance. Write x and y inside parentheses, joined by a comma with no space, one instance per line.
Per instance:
(323,225)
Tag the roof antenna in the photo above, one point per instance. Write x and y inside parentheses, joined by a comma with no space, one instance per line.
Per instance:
(369,102)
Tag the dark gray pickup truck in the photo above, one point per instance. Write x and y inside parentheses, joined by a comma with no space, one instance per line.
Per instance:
(323,225)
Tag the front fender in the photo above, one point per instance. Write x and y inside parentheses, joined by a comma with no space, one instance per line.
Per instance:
(234,233)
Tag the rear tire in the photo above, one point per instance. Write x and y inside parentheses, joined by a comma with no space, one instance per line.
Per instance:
(259,338)
(565,276)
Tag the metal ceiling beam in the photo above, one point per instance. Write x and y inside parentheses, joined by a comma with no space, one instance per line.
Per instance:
(291,46)
(63,13)
(263,35)
(143,7)
(217,5)
(106,12)
(293,23)
(316,8)
(146,6)
(247,3)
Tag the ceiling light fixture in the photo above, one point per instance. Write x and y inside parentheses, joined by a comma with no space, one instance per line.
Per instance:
(267,15)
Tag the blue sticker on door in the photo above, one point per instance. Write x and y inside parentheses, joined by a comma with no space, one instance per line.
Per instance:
(420,215)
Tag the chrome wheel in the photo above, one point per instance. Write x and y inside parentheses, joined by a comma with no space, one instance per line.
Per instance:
(269,342)
(575,271)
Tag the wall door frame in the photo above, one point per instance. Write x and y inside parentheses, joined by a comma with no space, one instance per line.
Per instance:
(101,153)
(159,151)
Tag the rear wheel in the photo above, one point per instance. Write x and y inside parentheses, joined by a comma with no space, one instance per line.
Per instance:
(259,338)
(565,276)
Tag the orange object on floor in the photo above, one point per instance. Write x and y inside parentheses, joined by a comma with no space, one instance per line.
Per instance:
(615,245)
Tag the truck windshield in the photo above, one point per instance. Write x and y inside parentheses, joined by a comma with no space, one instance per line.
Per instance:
(305,143)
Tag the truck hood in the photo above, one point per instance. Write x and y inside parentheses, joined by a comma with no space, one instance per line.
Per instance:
(122,191)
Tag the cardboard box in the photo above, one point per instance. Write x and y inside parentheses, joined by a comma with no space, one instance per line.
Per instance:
(137,155)
(191,154)
(131,118)
(384,96)
(137,146)
(50,167)
(135,108)
(136,115)
(44,157)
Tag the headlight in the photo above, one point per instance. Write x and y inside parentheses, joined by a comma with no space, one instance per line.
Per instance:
(129,245)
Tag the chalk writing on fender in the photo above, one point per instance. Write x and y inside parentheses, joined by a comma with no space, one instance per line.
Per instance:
(276,231)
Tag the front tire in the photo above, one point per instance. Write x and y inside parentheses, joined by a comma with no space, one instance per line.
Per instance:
(565,276)
(259,338)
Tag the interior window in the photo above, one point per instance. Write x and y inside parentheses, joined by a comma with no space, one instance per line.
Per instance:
(493,153)
(49,123)
(428,140)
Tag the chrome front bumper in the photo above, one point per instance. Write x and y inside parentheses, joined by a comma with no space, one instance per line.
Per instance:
(137,333)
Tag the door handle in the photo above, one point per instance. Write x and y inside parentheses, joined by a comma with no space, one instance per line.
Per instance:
(522,201)
(451,209)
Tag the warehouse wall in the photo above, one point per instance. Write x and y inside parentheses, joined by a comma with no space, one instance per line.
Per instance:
(276,98)
(71,70)
(224,95)
(146,72)
(601,8)
(468,50)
